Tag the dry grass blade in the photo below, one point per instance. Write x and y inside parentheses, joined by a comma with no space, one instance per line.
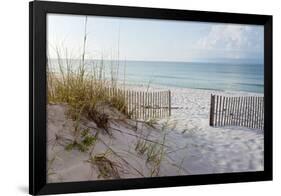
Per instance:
(107,168)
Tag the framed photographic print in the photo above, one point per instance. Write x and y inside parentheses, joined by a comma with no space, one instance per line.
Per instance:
(131,97)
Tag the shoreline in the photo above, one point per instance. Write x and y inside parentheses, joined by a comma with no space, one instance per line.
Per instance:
(145,85)
(152,87)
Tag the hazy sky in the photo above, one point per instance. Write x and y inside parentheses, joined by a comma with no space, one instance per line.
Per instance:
(146,39)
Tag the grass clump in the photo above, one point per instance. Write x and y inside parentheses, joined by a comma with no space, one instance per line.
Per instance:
(82,92)
(84,143)
(107,168)
(154,153)
(151,150)
(141,146)
(158,159)
(151,122)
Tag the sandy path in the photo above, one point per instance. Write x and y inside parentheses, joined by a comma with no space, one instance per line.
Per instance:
(204,149)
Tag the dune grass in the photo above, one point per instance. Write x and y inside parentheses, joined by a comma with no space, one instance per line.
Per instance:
(154,153)
(82,90)
(82,86)
(106,168)
(84,142)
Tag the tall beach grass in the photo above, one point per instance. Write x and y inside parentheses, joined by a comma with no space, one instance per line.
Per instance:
(79,86)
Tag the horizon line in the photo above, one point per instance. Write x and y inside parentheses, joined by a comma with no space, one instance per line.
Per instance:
(178,61)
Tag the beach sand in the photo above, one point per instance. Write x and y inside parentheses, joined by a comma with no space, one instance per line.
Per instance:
(190,147)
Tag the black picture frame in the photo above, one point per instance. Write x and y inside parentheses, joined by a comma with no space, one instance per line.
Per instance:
(37,96)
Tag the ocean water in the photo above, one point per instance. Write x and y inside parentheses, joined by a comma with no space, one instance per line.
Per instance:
(247,77)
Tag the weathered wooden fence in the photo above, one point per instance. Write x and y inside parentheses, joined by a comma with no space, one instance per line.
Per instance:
(247,111)
(145,104)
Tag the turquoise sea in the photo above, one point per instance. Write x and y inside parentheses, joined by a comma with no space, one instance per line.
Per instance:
(234,76)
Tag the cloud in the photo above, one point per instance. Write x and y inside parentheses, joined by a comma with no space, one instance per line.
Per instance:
(235,41)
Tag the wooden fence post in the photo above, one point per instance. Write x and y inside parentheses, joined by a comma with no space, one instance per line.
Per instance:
(216,105)
(222,112)
(226,111)
(170,108)
(212,110)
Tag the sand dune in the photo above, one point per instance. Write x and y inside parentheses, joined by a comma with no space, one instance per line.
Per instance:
(187,143)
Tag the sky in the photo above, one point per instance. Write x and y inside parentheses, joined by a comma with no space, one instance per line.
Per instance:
(153,40)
